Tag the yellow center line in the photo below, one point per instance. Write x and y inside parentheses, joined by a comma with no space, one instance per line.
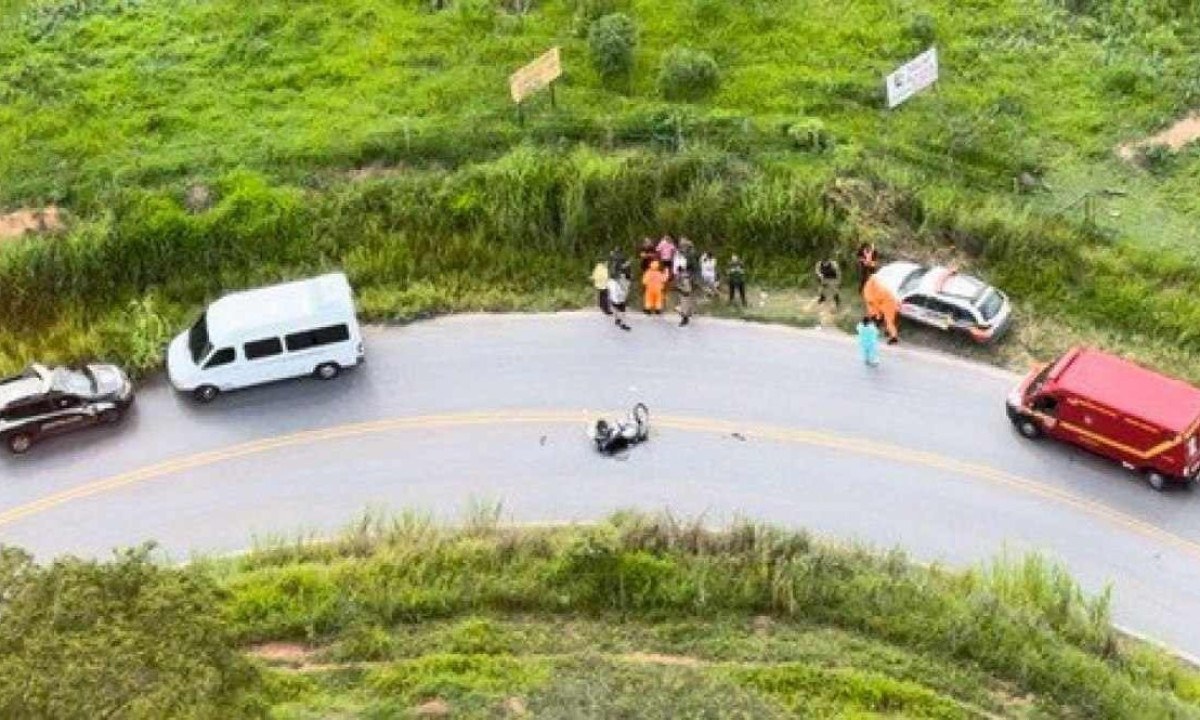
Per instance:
(812,438)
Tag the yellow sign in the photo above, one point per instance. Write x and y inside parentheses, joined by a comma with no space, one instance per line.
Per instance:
(535,76)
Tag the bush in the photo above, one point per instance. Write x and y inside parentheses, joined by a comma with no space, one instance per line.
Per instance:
(923,29)
(612,40)
(810,134)
(688,74)
(1157,158)
(588,12)
(126,638)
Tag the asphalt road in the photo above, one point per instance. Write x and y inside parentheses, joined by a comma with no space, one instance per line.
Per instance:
(777,424)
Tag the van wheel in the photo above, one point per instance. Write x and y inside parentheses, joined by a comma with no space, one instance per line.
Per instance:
(327,371)
(206,393)
(1156,480)
(19,443)
(1028,428)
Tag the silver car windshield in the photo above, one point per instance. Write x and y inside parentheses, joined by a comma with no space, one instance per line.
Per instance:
(913,280)
(990,305)
(71,381)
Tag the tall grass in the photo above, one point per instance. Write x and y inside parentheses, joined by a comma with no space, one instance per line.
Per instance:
(1026,622)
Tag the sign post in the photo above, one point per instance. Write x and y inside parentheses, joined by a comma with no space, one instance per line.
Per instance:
(540,73)
(912,77)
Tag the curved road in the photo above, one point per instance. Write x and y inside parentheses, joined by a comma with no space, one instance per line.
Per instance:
(781,425)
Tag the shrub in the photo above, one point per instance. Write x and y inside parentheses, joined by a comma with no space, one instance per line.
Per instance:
(688,74)
(810,134)
(923,29)
(588,12)
(126,638)
(1156,158)
(611,40)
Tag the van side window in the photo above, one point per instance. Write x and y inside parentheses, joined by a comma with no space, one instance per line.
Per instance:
(320,336)
(1046,404)
(224,356)
(263,348)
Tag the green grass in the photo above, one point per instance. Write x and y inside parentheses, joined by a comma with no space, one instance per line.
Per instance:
(378,136)
(649,617)
(637,616)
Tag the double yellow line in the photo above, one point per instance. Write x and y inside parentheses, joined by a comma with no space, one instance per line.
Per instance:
(811,438)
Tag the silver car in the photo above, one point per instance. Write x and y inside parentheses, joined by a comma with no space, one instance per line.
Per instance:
(948,300)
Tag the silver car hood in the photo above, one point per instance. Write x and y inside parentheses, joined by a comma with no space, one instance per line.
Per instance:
(110,379)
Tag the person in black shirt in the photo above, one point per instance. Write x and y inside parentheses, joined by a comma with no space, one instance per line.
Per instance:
(829,280)
(737,279)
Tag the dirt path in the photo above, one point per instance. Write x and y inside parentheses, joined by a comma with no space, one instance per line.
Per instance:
(18,223)
(1175,137)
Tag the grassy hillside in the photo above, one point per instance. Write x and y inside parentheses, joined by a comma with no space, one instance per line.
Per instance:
(638,616)
(213,144)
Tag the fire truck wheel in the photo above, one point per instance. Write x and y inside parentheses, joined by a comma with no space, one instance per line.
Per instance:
(1028,428)
(1156,480)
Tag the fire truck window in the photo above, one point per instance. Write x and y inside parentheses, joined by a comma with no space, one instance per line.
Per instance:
(1046,404)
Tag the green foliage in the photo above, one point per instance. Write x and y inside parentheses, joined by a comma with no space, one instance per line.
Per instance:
(127,638)
(593,688)
(819,692)
(612,40)
(688,75)
(923,29)
(114,108)
(587,12)
(457,676)
(810,134)
(1025,623)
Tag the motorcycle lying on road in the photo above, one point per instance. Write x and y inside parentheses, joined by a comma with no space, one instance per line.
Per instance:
(612,437)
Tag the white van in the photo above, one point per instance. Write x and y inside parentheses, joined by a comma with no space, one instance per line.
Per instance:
(256,336)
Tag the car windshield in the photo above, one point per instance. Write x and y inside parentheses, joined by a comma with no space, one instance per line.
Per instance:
(990,305)
(913,280)
(198,342)
(72,381)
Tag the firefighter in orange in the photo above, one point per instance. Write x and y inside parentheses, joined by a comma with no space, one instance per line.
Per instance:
(882,305)
(654,280)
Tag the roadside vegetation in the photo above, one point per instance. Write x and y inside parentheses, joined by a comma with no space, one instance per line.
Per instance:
(638,616)
(203,146)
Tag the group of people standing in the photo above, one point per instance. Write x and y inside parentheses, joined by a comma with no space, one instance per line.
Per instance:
(667,265)
(664,266)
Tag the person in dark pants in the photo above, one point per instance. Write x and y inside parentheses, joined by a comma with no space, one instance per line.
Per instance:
(600,283)
(829,280)
(683,286)
(868,263)
(736,273)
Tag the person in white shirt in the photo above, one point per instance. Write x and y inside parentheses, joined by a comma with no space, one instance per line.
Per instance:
(618,295)
(708,272)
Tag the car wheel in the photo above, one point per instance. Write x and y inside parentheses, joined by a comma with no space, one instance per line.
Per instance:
(1028,428)
(19,443)
(327,371)
(1156,480)
(110,416)
(206,393)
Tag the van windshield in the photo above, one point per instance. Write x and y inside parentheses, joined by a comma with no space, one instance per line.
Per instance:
(198,342)
(1039,380)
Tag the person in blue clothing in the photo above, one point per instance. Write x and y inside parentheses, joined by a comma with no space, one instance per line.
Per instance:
(868,340)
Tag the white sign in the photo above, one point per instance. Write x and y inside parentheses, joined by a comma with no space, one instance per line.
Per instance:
(535,76)
(912,77)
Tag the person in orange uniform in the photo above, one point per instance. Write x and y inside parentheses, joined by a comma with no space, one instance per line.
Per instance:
(882,305)
(654,280)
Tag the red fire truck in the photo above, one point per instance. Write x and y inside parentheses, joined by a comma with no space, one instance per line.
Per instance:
(1146,421)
